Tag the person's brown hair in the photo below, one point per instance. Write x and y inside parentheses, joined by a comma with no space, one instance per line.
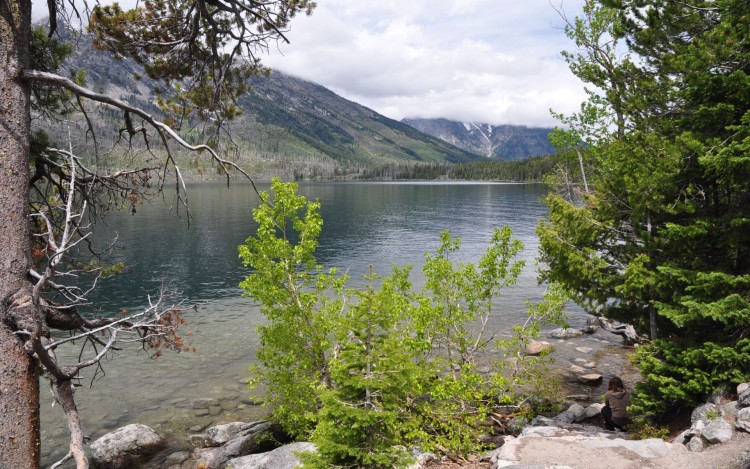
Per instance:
(615,384)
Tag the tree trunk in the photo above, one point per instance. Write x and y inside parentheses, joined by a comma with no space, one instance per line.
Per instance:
(19,383)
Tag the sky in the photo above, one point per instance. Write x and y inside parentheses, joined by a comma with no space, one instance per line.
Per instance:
(485,61)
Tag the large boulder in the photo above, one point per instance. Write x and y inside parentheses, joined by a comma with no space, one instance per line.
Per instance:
(705,412)
(125,447)
(743,419)
(284,457)
(743,394)
(718,431)
(254,437)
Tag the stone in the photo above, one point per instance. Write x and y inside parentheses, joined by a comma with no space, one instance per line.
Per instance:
(584,349)
(204,403)
(253,437)
(592,379)
(220,434)
(280,458)
(577,397)
(126,447)
(696,444)
(594,410)
(718,431)
(743,394)
(565,333)
(577,370)
(743,419)
(537,348)
(647,449)
(575,413)
(214,410)
(704,412)
(177,458)
(730,409)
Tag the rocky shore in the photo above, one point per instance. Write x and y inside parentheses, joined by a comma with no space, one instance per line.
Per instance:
(585,358)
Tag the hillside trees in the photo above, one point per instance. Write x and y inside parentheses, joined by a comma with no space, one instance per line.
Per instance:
(49,200)
(662,240)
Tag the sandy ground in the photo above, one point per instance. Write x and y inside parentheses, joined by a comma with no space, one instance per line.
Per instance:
(553,452)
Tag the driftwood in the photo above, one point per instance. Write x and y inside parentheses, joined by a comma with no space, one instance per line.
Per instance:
(627,331)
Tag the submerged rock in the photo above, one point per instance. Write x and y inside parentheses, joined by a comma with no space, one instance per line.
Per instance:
(125,447)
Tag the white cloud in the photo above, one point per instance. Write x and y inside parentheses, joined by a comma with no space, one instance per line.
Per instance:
(484,60)
(493,61)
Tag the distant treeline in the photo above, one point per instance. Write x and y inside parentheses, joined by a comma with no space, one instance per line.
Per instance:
(528,170)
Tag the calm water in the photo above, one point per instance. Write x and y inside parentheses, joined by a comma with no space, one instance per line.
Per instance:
(364,223)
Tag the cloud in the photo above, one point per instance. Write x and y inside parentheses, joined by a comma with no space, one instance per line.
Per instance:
(482,60)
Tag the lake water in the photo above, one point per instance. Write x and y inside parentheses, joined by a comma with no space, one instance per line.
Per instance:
(364,224)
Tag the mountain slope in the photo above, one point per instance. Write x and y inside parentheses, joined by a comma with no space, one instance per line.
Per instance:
(505,142)
(287,121)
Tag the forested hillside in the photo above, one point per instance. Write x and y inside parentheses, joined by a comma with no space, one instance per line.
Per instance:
(289,127)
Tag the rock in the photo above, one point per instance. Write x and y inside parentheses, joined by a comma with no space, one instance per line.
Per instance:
(696,444)
(220,434)
(743,394)
(584,349)
(280,458)
(576,370)
(214,410)
(743,419)
(647,449)
(575,413)
(577,397)
(592,379)
(594,410)
(592,325)
(125,447)
(565,333)
(704,412)
(718,431)
(538,348)
(730,409)
(177,458)
(253,437)
(204,403)
(516,425)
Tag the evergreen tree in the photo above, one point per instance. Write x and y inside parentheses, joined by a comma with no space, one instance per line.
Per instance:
(662,240)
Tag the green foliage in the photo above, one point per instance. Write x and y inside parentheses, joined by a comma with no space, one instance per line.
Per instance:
(363,372)
(294,293)
(661,240)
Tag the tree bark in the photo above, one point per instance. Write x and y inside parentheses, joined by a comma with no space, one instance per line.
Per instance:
(19,382)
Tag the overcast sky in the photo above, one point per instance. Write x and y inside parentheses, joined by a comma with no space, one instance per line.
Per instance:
(486,61)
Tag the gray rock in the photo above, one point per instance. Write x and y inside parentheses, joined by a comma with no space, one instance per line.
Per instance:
(730,409)
(254,437)
(584,349)
(204,403)
(220,434)
(537,348)
(565,333)
(743,394)
(718,431)
(125,447)
(705,412)
(594,410)
(576,370)
(592,379)
(280,458)
(575,413)
(696,444)
(743,419)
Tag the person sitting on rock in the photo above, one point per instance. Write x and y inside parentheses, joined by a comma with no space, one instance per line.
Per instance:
(616,402)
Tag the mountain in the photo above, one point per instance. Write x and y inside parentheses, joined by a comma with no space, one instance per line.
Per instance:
(287,122)
(505,142)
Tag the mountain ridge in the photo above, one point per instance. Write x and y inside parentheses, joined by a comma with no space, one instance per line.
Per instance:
(503,142)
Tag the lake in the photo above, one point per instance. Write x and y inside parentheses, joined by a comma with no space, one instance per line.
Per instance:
(365,224)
